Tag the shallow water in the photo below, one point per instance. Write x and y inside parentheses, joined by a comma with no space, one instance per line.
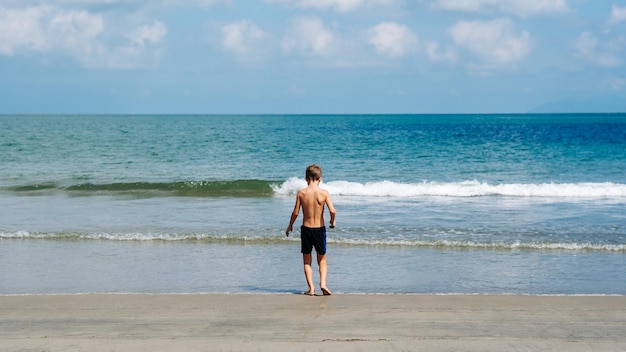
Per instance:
(527,204)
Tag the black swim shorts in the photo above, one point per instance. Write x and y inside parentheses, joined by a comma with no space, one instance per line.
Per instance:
(313,237)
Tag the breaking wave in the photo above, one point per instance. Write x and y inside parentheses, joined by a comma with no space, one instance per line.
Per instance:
(264,188)
(462,189)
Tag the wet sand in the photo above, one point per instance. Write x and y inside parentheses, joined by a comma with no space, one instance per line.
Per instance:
(287,322)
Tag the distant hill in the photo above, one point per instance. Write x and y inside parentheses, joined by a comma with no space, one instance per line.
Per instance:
(605,103)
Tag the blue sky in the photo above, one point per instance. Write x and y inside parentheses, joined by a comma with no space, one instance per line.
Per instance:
(312,56)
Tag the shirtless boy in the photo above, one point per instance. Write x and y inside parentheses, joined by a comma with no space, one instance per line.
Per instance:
(313,199)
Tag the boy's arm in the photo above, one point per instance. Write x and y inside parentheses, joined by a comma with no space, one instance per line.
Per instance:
(294,215)
(331,210)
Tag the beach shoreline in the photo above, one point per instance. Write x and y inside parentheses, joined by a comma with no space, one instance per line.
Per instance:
(286,322)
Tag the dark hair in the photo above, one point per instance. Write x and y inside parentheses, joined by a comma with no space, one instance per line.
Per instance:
(313,172)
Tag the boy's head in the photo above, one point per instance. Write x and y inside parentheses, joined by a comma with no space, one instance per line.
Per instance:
(313,172)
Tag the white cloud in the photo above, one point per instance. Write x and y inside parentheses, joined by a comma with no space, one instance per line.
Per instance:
(71,3)
(618,15)
(435,54)
(20,30)
(342,6)
(495,42)
(93,2)
(209,3)
(522,8)
(246,41)
(139,50)
(591,49)
(45,28)
(313,43)
(463,5)
(309,36)
(534,7)
(337,5)
(152,33)
(392,39)
(239,37)
(79,34)
(76,32)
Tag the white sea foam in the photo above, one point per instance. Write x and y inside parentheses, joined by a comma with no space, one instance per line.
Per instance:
(461,189)
(573,246)
(381,242)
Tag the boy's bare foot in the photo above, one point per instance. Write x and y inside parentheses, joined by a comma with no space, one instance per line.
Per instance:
(326,291)
(309,293)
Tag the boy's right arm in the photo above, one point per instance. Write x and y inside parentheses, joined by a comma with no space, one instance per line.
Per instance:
(294,215)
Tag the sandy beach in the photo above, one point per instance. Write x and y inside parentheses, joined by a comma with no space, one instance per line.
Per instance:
(289,322)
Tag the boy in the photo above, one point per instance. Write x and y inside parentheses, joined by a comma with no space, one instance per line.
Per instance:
(312,199)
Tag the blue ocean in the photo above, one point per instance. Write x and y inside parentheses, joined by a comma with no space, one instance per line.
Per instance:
(426,204)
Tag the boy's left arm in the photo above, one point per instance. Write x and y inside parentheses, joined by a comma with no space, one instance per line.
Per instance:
(331,210)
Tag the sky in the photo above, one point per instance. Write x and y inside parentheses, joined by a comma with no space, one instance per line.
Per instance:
(312,56)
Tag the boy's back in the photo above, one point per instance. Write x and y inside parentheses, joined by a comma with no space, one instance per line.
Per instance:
(313,199)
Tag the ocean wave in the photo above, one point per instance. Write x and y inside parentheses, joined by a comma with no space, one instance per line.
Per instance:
(236,188)
(265,188)
(462,189)
(343,241)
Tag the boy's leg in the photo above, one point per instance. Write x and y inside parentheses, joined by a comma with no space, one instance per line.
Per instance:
(321,262)
(308,272)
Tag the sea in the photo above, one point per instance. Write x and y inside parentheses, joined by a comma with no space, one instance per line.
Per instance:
(426,204)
